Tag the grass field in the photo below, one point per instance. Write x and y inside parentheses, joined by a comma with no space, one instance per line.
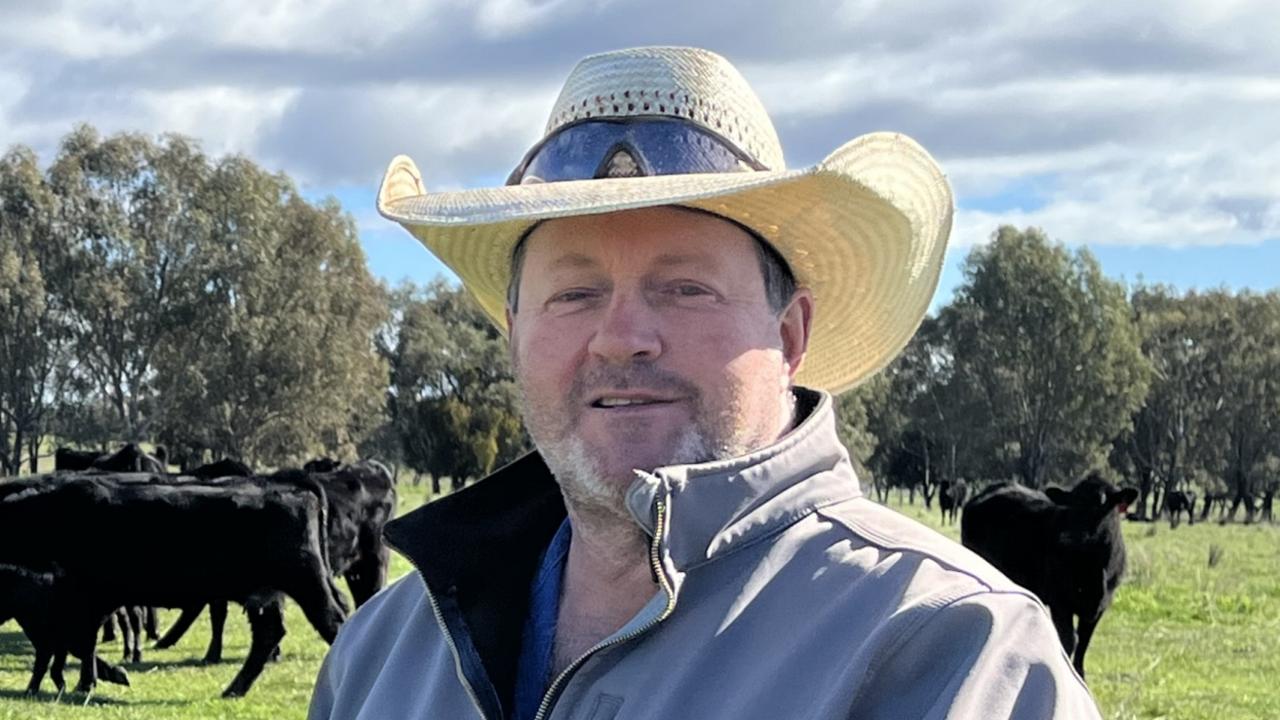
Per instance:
(1187,639)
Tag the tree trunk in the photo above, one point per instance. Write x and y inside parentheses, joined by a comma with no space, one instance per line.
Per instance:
(34,452)
(15,463)
(4,445)
(928,477)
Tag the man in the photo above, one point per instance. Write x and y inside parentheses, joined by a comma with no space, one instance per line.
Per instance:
(689,540)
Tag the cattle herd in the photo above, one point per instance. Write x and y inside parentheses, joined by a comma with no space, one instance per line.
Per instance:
(225,534)
(220,533)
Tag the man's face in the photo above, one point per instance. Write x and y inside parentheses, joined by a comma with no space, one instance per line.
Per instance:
(643,338)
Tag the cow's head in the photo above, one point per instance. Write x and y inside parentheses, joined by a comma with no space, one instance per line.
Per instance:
(1094,493)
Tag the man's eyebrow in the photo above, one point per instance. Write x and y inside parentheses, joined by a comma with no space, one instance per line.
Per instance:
(572,261)
(576,261)
(669,259)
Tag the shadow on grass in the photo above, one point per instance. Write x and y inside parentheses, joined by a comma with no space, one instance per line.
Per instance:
(96,700)
(15,643)
(149,665)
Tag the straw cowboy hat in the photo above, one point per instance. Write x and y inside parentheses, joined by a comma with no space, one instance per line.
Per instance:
(865,229)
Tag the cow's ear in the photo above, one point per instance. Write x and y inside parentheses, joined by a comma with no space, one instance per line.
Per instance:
(1122,499)
(1058,495)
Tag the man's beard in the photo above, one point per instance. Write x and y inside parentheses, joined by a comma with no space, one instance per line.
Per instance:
(585,484)
(714,434)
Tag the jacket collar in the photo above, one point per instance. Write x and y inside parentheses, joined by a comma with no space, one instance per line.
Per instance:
(714,508)
(459,542)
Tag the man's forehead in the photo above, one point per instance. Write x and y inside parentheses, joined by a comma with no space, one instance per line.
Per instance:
(657,237)
(572,259)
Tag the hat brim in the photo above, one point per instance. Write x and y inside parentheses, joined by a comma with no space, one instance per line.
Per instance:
(865,230)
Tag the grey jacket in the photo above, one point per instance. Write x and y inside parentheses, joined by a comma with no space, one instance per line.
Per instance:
(784,594)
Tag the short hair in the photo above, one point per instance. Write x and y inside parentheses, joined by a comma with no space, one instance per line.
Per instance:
(779,281)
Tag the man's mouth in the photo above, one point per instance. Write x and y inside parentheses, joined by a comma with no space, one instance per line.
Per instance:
(615,401)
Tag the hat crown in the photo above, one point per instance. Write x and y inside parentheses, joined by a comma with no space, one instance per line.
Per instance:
(692,84)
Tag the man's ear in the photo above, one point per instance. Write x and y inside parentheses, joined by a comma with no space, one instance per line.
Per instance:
(796,322)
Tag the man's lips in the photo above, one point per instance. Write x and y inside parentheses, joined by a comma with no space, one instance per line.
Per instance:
(632,399)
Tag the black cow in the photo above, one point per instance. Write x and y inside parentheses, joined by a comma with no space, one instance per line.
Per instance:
(128,619)
(951,496)
(56,619)
(1178,502)
(362,499)
(65,458)
(1065,546)
(321,465)
(129,458)
(1212,499)
(222,468)
(246,543)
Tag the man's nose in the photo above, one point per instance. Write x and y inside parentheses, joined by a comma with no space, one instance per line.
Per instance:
(626,331)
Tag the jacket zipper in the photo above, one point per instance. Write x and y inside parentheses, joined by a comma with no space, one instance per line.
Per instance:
(448,636)
(655,561)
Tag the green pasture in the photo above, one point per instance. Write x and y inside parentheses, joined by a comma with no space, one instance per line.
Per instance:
(1194,634)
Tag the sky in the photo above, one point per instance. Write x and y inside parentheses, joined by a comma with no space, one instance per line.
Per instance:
(1148,132)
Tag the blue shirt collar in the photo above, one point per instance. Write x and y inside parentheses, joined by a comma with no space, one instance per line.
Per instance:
(533,673)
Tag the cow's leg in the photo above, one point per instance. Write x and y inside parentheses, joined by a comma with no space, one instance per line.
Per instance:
(126,637)
(266,623)
(109,628)
(43,655)
(1064,622)
(55,673)
(1087,626)
(183,624)
(150,623)
(87,650)
(217,622)
(134,615)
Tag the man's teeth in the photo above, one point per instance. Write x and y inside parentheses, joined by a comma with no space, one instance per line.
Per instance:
(620,402)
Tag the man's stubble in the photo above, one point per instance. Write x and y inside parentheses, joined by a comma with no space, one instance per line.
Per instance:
(593,497)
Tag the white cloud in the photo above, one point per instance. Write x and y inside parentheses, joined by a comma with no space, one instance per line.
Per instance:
(76,30)
(501,18)
(225,119)
(453,132)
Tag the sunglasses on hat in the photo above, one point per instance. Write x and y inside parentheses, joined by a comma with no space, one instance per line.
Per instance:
(629,147)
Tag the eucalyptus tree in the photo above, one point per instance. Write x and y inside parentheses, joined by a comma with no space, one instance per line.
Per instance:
(128,206)
(1242,387)
(1046,347)
(452,391)
(1161,447)
(272,354)
(34,333)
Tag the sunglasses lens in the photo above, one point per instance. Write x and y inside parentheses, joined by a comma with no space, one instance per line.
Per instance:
(606,148)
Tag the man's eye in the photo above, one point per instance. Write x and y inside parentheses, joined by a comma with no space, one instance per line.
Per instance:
(689,290)
(570,296)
